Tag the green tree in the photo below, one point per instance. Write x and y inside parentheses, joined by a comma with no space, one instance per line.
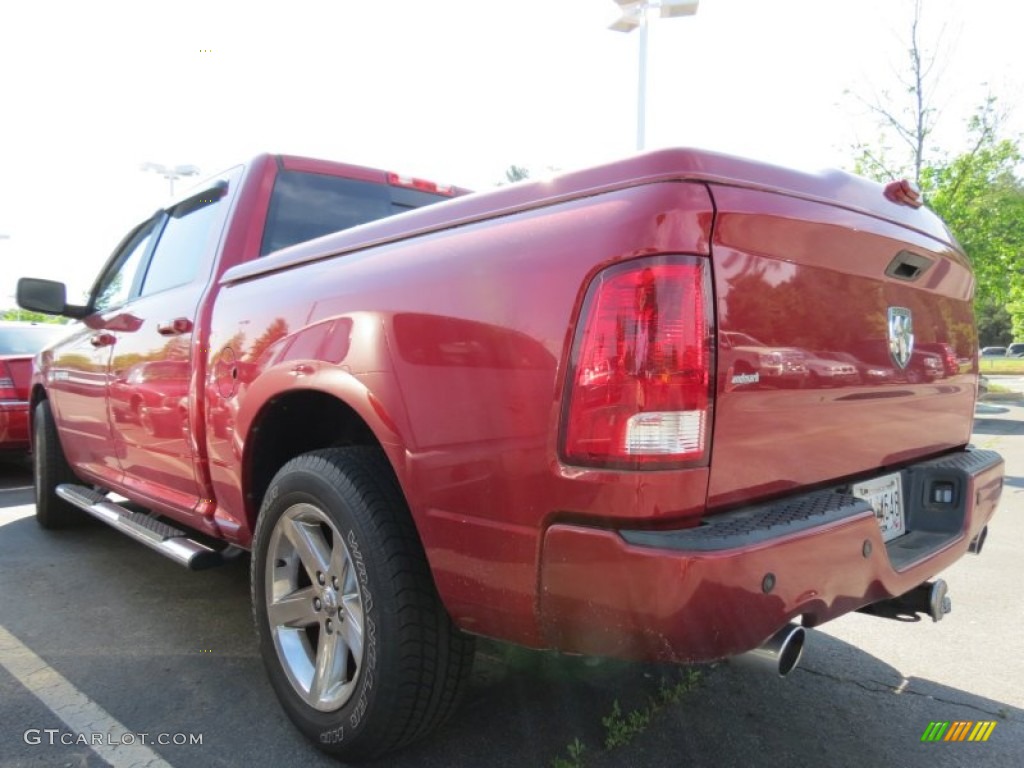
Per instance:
(995,326)
(515,173)
(980,195)
(29,316)
(978,192)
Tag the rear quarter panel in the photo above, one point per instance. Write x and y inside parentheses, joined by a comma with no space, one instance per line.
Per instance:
(451,347)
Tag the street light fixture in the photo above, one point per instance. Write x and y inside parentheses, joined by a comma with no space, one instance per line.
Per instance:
(171,174)
(634,16)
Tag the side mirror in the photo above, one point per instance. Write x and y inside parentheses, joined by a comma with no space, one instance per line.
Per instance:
(46,296)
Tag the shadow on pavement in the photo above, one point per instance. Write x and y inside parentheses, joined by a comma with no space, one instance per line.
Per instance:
(988,408)
(997,426)
(166,650)
(15,472)
(858,712)
(17,497)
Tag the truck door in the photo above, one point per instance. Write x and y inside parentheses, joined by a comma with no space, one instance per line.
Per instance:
(151,368)
(79,374)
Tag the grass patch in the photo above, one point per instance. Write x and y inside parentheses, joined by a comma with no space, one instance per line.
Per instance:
(1007,366)
(574,757)
(621,728)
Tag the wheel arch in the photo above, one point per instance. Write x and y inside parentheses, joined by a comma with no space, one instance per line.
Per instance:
(297,421)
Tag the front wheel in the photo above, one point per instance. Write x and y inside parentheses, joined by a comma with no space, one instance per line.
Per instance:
(50,468)
(357,644)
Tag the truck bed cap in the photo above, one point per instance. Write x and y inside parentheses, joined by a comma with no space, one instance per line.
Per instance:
(833,187)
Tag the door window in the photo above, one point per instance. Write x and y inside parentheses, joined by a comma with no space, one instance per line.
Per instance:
(184,243)
(115,287)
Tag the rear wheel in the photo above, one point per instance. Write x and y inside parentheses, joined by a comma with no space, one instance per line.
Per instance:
(357,644)
(50,469)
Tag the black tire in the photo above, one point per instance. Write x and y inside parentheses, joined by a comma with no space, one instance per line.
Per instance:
(406,675)
(50,468)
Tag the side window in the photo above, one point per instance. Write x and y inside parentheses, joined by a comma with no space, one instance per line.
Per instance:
(184,243)
(116,285)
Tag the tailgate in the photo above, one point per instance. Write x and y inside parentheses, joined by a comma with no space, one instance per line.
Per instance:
(846,343)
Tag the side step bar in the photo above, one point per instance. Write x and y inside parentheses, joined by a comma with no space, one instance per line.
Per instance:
(155,534)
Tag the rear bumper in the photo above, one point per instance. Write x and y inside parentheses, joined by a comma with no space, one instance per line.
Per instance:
(723,588)
(14,425)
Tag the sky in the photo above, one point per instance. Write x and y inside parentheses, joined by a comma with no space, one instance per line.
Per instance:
(454,91)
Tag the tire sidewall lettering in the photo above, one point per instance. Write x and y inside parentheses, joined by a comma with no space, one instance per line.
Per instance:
(270,498)
(370,643)
(333,736)
(361,702)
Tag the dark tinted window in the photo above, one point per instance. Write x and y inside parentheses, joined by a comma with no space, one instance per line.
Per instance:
(308,205)
(29,339)
(183,244)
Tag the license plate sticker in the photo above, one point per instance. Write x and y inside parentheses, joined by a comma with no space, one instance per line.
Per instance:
(885,495)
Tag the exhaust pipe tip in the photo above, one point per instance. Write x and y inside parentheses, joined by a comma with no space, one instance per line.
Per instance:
(781,653)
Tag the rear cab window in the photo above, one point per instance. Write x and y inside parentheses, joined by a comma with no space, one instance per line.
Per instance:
(304,206)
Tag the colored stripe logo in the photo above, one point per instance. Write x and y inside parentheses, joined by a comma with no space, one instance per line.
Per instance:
(958,730)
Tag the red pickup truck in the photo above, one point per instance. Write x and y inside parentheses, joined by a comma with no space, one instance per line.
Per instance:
(575,414)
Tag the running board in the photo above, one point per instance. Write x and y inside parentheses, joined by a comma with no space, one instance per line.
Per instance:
(155,534)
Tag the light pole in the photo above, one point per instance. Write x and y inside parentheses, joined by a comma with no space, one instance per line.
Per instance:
(634,16)
(171,174)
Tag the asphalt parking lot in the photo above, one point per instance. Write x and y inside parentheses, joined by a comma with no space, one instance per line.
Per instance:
(99,624)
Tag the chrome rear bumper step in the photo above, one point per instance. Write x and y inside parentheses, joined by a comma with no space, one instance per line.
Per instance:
(155,534)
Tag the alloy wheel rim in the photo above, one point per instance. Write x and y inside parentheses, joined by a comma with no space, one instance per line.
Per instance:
(314,605)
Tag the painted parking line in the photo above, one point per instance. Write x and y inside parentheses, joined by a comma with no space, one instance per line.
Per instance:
(85,718)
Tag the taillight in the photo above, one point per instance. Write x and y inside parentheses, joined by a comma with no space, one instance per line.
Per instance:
(639,383)
(7,389)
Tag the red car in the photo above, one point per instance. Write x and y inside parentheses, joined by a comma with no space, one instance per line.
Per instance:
(19,343)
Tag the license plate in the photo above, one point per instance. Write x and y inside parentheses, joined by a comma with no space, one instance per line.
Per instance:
(885,495)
